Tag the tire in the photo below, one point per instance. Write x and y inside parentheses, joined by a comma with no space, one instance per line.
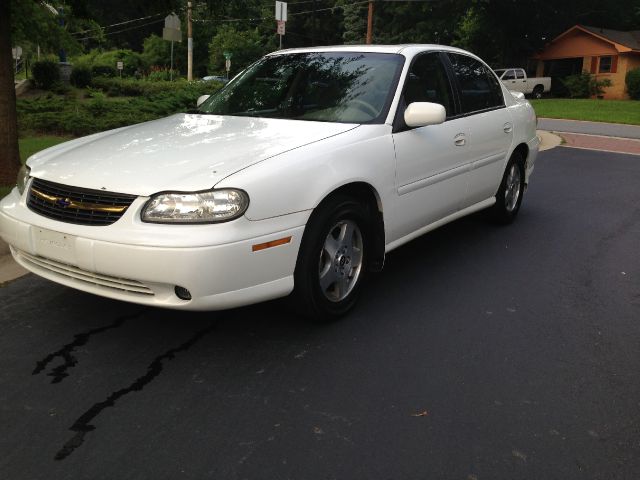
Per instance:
(538,90)
(510,192)
(332,260)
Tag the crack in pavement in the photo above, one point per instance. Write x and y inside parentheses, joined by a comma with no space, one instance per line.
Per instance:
(82,426)
(66,352)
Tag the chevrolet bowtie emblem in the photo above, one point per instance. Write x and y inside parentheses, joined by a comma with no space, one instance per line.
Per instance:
(63,202)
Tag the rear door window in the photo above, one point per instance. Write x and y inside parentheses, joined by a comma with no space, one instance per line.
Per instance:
(479,88)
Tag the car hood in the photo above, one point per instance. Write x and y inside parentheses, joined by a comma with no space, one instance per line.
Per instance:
(182,152)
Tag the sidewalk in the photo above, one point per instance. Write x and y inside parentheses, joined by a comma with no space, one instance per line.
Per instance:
(606,137)
(604,144)
(590,128)
(9,269)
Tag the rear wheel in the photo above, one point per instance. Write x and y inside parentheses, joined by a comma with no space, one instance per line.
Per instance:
(510,192)
(332,260)
(537,92)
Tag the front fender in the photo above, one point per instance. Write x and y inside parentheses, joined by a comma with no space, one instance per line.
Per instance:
(300,179)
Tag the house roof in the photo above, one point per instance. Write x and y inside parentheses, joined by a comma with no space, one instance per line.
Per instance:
(622,41)
(630,39)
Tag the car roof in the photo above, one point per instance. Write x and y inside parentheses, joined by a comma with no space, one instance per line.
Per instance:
(407,49)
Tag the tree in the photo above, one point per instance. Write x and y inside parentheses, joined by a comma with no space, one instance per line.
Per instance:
(355,24)
(9,155)
(246,47)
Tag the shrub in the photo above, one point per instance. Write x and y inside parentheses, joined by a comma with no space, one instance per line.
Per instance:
(596,87)
(73,116)
(103,71)
(584,85)
(81,76)
(45,74)
(578,85)
(162,74)
(632,79)
(132,61)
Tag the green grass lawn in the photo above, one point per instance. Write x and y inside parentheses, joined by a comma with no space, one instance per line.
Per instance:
(612,111)
(29,146)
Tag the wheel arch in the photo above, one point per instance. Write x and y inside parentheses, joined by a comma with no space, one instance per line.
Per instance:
(523,150)
(368,196)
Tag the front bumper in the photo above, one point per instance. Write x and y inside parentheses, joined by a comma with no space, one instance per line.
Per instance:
(216,263)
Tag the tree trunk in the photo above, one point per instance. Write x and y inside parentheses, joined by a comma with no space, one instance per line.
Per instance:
(9,155)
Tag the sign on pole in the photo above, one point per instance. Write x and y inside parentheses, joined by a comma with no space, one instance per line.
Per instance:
(281,17)
(172,33)
(171,30)
(281,11)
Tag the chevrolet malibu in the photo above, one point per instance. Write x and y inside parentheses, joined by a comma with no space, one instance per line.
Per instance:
(296,178)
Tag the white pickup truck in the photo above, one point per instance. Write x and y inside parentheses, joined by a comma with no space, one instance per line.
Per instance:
(516,80)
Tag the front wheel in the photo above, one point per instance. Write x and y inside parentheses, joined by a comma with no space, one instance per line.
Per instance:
(510,192)
(332,259)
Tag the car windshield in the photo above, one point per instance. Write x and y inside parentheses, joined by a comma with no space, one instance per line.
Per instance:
(500,71)
(345,87)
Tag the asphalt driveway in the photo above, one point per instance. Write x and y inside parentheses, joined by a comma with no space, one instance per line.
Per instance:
(481,352)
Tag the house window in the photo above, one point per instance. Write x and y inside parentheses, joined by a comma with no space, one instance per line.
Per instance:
(605,65)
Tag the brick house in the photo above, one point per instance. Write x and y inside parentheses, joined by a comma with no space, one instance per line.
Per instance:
(599,51)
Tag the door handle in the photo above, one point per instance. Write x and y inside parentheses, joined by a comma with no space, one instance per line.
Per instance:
(460,140)
(508,128)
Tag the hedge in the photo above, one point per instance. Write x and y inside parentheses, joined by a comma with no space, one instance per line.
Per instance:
(73,116)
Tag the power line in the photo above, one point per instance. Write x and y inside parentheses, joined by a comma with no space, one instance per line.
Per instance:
(117,24)
(290,14)
(124,29)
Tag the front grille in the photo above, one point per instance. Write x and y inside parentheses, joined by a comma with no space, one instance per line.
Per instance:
(59,269)
(77,205)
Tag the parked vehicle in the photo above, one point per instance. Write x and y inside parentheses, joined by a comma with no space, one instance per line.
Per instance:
(516,80)
(297,177)
(215,78)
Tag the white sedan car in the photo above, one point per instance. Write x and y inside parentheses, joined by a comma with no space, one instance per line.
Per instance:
(296,178)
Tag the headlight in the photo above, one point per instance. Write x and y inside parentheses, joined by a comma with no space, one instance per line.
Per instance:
(198,207)
(23,178)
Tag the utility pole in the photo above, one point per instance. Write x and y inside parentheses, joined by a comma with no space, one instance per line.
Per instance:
(189,44)
(313,24)
(370,23)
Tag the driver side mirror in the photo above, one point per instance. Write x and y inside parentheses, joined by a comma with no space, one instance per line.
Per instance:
(202,99)
(421,114)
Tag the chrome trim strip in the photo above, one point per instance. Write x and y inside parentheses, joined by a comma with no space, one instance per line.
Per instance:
(488,160)
(79,205)
(438,177)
